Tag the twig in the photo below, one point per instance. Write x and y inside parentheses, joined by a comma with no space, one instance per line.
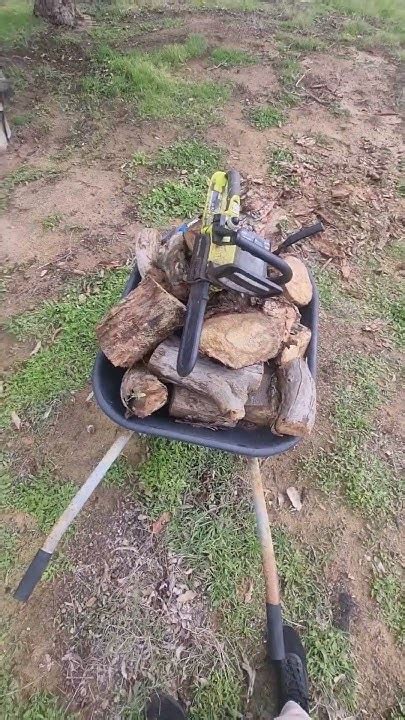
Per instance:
(301,78)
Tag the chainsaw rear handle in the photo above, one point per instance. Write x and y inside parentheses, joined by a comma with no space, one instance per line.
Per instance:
(301,234)
(268,257)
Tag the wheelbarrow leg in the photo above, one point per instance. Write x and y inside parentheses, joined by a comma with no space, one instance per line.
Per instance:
(41,560)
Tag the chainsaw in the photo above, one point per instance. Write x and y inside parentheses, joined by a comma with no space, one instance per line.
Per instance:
(227,256)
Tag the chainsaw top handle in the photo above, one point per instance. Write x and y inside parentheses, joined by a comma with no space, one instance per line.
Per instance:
(258,250)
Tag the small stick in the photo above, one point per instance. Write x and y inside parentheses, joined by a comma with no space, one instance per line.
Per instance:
(41,560)
(275,636)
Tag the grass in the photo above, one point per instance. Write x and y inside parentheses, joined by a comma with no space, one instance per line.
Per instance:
(17,22)
(22,176)
(219,698)
(8,542)
(351,467)
(213,529)
(51,222)
(147,81)
(280,166)
(182,197)
(64,361)
(387,590)
(266,116)
(232,57)
(120,475)
(40,706)
(42,496)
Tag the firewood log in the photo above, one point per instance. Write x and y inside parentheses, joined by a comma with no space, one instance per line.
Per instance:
(142,393)
(147,243)
(227,389)
(262,405)
(296,345)
(296,414)
(299,289)
(139,322)
(241,339)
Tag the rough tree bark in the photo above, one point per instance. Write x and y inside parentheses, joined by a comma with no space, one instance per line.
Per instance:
(57,12)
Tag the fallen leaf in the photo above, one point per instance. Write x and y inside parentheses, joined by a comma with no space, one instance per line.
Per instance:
(36,348)
(124,670)
(186,597)
(16,420)
(294,497)
(160,523)
(43,273)
(47,413)
(89,396)
(90,602)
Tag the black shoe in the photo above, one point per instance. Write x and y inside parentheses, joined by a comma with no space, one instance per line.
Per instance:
(164,707)
(293,676)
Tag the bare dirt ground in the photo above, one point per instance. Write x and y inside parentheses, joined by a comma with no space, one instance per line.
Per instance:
(346,165)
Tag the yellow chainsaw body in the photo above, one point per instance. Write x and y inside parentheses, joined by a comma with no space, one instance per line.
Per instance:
(219,203)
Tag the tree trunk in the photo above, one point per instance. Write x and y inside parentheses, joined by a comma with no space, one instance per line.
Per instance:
(57,12)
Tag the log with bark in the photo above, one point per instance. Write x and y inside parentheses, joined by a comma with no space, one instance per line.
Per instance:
(142,393)
(226,389)
(172,261)
(245,338)
(263,403)
(296,345)
(296,414)
(139,322)
(146,245)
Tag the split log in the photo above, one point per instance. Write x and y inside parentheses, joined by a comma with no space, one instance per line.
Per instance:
(227,389)
(142,393)
(172,261)
(198,409)
(241,339)
(298,399)
(139,322)
(283,314)
(262,405)
(299,289)
(296,345)
(147,243)
(227,301)
(191,234)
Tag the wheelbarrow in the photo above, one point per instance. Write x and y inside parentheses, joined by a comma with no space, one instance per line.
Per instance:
(253,444)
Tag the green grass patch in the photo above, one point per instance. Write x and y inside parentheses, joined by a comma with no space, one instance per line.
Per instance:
(172,199)
(120,475)
(8,543)
(42,496)
(213,529)
(281,167)
(350,467)
(232,57)
(67,331)
(17,22)
(22,176)
(147,81)
(366,481)
(194,163)
(266,116)
(219,698)
(40,706)
(240,5)
(299,43)
(330,665)
(388,591)
(51,222)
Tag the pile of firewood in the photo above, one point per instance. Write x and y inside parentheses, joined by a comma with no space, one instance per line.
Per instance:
(251,368)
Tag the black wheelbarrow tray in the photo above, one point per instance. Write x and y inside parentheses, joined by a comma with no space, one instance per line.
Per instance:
(258,442)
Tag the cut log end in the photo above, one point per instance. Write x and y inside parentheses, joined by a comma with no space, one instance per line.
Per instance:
(299,289)
(142,393)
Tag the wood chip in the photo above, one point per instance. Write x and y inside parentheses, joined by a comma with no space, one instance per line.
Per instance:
(16,420)
(294,497)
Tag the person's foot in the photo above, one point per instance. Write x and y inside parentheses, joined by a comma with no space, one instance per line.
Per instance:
(164,707)
(293,676)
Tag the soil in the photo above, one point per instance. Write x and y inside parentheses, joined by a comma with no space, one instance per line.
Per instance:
(97,208)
